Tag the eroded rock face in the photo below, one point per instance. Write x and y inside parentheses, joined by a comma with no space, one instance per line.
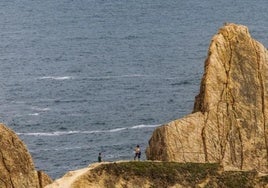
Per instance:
(16,166)
(229,123)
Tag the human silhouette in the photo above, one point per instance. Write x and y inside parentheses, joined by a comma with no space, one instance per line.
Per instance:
(137,152)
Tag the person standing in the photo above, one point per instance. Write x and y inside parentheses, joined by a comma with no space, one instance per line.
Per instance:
(99,158)
(137,152)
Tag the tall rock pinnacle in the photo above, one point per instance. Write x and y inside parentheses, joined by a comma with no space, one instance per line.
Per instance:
(229,123)
(16,165)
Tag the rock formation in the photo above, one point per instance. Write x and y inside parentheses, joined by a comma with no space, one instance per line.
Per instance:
(229,123)
(16,166)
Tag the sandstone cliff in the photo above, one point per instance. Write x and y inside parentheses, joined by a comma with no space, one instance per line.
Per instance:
(229,123)
(159,175)
(16,166)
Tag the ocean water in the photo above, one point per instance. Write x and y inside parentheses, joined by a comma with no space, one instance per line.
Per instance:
(88,76)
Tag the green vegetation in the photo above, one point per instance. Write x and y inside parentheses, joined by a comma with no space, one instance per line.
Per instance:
(166,174)
(233,179)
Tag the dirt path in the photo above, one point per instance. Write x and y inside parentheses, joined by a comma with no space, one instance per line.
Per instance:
(67,180)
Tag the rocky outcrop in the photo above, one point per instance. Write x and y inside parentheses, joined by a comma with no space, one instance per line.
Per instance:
(16,166)
(229,123)
(43,179)
(158,174)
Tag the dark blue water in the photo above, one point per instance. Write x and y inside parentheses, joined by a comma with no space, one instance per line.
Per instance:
(88,76)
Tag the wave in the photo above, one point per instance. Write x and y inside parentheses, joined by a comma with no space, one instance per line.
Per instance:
(116,130)
(98,77)
(40,109)
(55,77)
(34,114)
(60,133)
(61,148)
(115,76)
(144,126)
(92,77)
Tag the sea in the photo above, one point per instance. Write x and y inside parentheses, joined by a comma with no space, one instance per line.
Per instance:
(79,77)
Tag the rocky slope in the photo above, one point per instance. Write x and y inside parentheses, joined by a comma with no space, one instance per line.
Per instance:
(159,175)
(229,123)
(16,166)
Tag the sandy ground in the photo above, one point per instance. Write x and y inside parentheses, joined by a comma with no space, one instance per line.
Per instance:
(70,177)
(67,180)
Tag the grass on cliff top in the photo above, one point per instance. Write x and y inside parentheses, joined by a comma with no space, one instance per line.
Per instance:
(165,174)
(162,174)
(167,171)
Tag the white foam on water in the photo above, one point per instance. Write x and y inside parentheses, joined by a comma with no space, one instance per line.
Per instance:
(116,130)
(56,133)
(144,126)
(93,77)
(60,133)
(56,77)
(115,76)
(34,114)
(61,148)
(40,109)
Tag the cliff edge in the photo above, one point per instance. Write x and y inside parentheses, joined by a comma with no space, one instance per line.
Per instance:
(229,123)
(148,174)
